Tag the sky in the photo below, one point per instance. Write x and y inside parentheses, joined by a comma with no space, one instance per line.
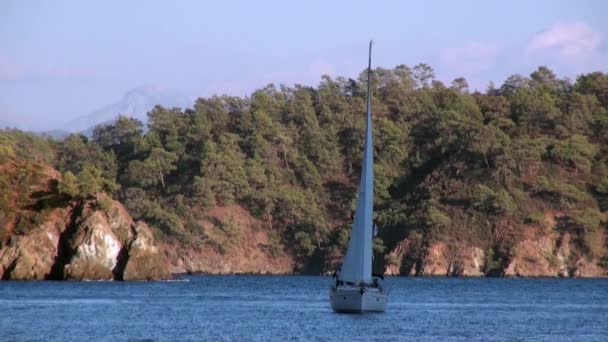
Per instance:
(63,59)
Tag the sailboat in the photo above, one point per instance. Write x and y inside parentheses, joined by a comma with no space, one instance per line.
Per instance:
(356,289)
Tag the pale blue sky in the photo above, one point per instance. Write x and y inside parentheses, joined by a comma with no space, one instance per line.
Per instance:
(63,59)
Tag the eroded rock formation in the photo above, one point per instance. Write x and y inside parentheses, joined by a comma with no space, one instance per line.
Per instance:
(91,240)
(546,252)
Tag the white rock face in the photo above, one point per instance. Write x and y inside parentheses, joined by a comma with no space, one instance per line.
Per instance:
(100,242)
(101,247)
(96,250)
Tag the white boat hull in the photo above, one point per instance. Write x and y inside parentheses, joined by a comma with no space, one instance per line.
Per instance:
(352,299)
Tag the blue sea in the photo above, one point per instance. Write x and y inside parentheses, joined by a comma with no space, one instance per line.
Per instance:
(296,308)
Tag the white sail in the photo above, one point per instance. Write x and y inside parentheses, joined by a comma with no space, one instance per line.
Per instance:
(357,264)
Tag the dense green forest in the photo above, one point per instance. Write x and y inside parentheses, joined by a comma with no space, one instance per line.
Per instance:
(450,164)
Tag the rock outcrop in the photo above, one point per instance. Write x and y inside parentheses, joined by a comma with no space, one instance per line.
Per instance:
(29,257)
(455,261)
(96,250)
(536,257)
(551,255)
(145,259)
(32,256)
(45,235)
(91,240)
(396,263)
(545,252)
(440,259)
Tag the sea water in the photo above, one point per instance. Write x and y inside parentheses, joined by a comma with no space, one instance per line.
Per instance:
(296,308)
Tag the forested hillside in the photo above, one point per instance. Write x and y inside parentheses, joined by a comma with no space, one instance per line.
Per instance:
(485,170)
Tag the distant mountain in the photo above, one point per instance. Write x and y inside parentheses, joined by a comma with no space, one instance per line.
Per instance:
(136,104)
(57,134)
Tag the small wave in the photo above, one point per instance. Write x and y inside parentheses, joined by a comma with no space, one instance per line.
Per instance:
(174,281)
(62,301)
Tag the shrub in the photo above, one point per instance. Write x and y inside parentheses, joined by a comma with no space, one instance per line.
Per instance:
(589,218)
(275,248)
(304,243)
(482,198)
(106,204)
(26,224)
(535,218)
(169,223)
(503,203)
(604,262)
(231,229)
(6,151)
(68,185)
(551,259)
(437,218)
(493,264)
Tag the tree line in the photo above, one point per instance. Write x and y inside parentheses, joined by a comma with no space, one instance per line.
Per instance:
(465,167)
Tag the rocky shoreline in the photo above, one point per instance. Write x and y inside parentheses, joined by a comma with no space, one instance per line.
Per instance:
(97,239)
(546,256)
(91,240)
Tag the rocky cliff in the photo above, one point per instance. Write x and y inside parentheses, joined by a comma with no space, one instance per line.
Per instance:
(97,239)
(542,252)
(46,235)
(94,239)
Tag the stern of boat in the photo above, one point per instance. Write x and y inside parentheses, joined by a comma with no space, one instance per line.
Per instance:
(350,299)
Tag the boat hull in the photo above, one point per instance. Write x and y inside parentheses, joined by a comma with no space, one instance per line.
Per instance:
(353,300)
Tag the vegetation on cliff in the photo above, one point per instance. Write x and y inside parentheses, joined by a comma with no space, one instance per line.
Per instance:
(465,169)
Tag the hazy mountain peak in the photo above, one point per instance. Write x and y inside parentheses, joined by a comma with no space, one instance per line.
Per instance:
(136,103)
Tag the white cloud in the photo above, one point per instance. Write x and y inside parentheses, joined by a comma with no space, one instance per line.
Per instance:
(570,39)
(471,58)
(569,48)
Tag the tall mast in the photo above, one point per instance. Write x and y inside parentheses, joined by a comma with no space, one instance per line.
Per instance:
(357,263)
(369,80)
